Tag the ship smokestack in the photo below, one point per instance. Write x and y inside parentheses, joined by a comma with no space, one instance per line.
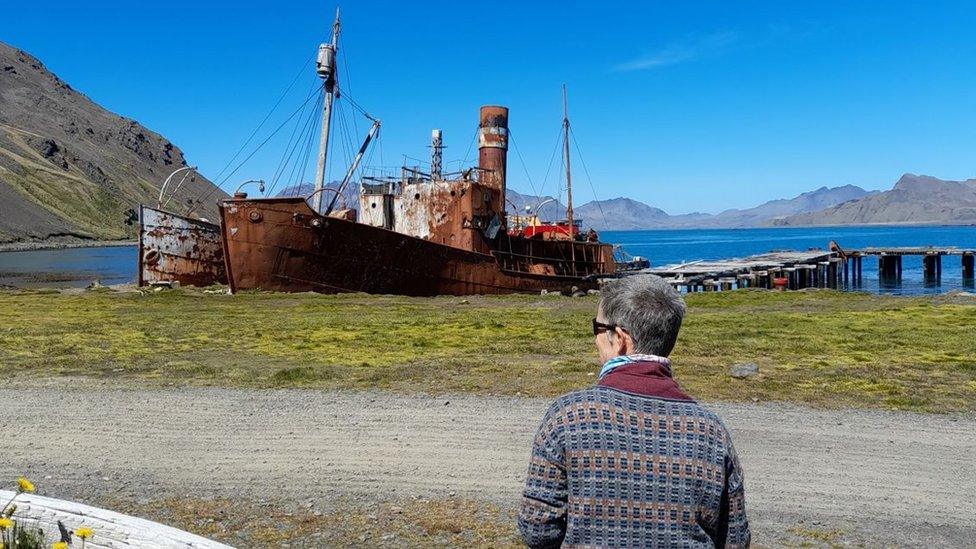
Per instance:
(493,152)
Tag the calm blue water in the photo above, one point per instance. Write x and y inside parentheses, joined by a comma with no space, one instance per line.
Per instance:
(79,266)
(674,246)
(68,268)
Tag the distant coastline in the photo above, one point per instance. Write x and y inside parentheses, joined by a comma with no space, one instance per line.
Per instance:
(839,226)
(61,244)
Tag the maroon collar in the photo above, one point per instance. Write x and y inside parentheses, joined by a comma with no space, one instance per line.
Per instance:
(651,379)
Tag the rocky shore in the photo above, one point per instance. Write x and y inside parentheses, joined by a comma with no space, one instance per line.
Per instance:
(60,244)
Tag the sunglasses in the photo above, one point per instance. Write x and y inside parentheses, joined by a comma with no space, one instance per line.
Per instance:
(600,327)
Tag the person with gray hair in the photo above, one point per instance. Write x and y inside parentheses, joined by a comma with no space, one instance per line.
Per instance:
(633,461)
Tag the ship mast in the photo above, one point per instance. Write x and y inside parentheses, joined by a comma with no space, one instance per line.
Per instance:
(569,183)
(325,66)
(569,177)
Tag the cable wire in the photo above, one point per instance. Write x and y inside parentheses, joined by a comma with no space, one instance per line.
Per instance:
(256,149)
(266,117)
(587,172)
(522,161)
(295,140)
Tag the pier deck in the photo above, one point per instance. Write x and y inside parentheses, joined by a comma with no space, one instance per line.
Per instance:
(834,267)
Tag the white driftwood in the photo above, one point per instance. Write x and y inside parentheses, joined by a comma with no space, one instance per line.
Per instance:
(112,530)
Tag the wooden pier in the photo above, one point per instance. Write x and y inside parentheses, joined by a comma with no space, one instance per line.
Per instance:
(833,267)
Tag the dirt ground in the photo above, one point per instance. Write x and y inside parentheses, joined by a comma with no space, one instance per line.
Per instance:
(851,477)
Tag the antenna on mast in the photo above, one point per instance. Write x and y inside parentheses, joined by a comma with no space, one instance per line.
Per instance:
(325,66)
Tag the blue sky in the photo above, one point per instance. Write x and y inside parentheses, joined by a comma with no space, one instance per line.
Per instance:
(688,106)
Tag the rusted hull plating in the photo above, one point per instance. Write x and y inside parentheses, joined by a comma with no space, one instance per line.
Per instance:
(280,244)
(173,248)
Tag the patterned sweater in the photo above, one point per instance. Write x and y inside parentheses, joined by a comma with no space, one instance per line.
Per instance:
(633,462)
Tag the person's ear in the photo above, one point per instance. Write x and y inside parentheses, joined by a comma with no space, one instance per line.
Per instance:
(622,337)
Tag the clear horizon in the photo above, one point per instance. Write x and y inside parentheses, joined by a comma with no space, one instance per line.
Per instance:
(685,108)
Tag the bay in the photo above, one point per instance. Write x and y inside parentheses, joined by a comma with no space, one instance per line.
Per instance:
(68,267)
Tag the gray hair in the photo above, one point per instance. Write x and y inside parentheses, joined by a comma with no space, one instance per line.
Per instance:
(648,308)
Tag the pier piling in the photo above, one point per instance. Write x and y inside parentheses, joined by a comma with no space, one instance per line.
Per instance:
(889,268)
(858,266)
(932,264)
(968,264)
(834,273)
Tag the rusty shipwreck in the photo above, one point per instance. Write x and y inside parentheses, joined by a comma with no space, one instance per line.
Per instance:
(417,234)
(421,235)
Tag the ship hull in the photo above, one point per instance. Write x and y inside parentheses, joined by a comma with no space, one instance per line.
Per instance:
(282,245)
(177,249)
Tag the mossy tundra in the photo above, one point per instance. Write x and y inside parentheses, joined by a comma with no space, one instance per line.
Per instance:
(818,348)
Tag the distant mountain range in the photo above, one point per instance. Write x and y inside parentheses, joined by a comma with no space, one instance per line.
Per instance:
(68,167)
(628,214)
(913,199)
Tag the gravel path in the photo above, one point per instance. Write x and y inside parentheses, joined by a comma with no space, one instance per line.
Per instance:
(891,478)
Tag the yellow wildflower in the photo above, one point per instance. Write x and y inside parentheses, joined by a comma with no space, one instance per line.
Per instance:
(84,532)
(60,545)
(24,485)
(6,523)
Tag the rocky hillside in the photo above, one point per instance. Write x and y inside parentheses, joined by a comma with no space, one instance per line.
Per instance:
(70,168)
(624,214)
(763,214)
(913,199)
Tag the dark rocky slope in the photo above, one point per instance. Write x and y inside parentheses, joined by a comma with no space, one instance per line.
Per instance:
(70,168)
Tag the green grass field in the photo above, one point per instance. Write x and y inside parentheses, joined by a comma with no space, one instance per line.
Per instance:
(819,348)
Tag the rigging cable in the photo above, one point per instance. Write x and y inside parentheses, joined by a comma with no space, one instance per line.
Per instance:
(522,161)
(470,145)
(307,156)
(343,137)
(357,106)
(308,131)
(266,117)
(256,149)
(303,122)
(587,172)
(552,157)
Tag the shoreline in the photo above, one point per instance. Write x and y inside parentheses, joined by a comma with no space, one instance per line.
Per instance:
(35,245)
(894,224)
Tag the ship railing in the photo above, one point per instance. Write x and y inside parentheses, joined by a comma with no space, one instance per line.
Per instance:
(565,266)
